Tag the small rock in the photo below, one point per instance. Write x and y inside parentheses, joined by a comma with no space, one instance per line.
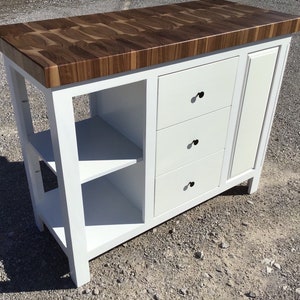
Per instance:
(206,275)
(199,255)
(266,261)
(67,298)
(297,290)
(119,280)
(155,297)
(284,287)
(250,202)
(154,230)
(277,266)
(183,292)
(125,245)
(245,224)
(86,291)
(172,230)
(293,250)
(251,295)
(96,291)
(269,270)
(224,245)
(230,283)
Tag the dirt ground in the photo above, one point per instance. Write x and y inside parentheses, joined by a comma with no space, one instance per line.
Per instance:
(235,246)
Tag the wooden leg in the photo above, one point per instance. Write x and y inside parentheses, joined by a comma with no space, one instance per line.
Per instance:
(25,128)
(64,143)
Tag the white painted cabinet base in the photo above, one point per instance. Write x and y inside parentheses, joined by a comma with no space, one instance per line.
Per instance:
(158,142)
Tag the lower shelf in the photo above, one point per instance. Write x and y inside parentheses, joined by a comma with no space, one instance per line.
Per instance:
(108,215)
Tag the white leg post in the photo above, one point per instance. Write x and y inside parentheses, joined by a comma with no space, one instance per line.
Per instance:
(254,182)
(20,103)
(63,134)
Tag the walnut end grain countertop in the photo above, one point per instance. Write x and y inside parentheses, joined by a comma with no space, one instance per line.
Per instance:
(67,50)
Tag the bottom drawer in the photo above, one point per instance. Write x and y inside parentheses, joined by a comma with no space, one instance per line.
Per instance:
(177,187)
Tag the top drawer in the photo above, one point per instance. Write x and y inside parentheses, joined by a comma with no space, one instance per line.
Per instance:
(190,93)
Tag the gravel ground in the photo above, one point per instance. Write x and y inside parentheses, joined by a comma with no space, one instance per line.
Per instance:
(236,246)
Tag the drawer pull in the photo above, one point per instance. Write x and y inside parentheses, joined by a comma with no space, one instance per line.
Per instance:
(194,142)
(191,183)
(200,94)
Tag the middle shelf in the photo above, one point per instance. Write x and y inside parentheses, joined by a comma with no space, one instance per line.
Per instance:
(101,149)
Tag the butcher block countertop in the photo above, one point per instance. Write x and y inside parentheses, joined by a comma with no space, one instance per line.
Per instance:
(68,50)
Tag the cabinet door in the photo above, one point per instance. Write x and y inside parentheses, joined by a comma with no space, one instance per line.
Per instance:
(261,66)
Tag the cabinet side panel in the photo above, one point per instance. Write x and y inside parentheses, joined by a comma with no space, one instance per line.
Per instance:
(261,67)
(124,108)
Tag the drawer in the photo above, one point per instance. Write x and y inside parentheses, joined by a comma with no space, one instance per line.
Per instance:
(193,92)
(191,140)
(179,186)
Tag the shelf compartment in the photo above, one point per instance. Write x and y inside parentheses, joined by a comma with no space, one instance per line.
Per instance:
(108,215)
(101,149)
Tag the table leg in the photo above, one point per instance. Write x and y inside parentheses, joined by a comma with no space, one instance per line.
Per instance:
(23,118)
(64,143)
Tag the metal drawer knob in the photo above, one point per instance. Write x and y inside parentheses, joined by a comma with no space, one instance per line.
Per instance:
(193,143)
(190,184)
(200,94)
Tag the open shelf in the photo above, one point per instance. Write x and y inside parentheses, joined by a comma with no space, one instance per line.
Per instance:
(108,215)
(101,149)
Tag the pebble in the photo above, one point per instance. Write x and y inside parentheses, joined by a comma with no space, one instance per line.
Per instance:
(199,255)
(86,291)
(224,245)
(277,266)
(230,283)
(67,298)
(245,224)
(183,291)
(269,270)
(250,202)
(155,297)
(266,261)
(284,287)
(154,230)
(96,291)
(297,290)
(251,295)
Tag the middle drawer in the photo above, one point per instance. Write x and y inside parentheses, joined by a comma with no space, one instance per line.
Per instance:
(192,140)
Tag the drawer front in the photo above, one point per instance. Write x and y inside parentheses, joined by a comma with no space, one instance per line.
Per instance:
(184,184)
(192,140)
(190,93)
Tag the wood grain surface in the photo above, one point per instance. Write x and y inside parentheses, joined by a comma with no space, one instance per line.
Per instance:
(67,50)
